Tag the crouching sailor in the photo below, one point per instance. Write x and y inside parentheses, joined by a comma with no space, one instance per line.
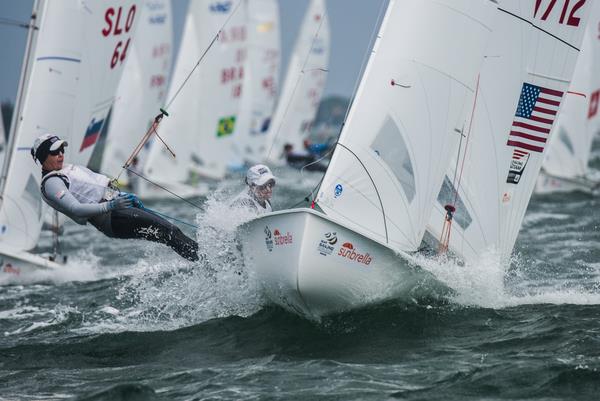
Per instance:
(257,197)
(85,196)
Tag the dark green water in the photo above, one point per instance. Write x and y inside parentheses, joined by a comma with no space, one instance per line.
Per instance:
(131,321)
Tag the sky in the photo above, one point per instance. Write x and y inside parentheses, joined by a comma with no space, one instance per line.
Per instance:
(353,25)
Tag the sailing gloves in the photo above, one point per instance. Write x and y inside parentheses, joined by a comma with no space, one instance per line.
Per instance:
(124,201)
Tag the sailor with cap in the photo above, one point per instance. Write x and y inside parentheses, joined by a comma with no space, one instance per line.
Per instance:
(257,197)
(85,196)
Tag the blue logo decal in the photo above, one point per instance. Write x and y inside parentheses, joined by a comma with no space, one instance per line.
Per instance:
(338,190)
(220,7)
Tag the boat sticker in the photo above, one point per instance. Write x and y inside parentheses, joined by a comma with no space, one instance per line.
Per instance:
(349,251)
(326,245)
(517,166)
(338,190)
(92,133)
(534,117)
(282,239)
(268,238)
(9,268)
(226,126)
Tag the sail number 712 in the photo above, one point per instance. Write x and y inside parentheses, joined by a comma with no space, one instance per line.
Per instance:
(568,14)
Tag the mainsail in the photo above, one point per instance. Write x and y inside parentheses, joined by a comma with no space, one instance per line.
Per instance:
(303,85)
(73,64)
(579,118)
(203,116)
(261,79)
(143,87)
(406,118)
(523,83)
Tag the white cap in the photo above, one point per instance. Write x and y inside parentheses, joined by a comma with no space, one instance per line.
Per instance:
(259,175)
(44,144)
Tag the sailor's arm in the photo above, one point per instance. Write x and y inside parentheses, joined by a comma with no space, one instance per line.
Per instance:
(59,197)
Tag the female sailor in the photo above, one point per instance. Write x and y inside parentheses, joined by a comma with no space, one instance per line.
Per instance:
(85,196)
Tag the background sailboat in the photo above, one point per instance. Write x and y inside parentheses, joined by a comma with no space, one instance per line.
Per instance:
(391,157)
(203,116)
(261,80)
(565,166)
(72,65)
(142,89)
(525,76)
(303,85)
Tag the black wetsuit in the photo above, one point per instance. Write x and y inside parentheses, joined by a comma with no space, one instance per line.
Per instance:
(117,223)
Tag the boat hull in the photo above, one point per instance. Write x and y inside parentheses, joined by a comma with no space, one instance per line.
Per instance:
(18,265)
(547,184)
(310,264)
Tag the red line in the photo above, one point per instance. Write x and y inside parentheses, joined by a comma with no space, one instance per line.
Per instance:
(531,127)
(525,146)
(551,92)
(527,136)
(576,93)
(542,110)
(548,101)
(541,120)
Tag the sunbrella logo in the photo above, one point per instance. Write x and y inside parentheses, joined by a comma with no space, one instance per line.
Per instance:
(285,239)
(326,246)
(268,238)
(349,252)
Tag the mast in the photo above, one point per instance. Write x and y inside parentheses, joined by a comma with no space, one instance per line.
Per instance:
(24,80)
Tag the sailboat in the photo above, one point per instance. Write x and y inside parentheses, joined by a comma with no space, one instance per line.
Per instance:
(73,62)
(303,86)
(378,191)
(203,114)
(523,83)
(565,166)
(261,80)
(141,93)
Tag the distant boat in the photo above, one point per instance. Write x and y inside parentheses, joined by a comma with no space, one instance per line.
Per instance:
(203,116)
(303,86)
(261,80)
(142,92)
(565,166)
(378,191)
(72,65)
(523,82)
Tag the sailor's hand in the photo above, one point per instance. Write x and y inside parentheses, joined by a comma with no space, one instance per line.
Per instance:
(123,201)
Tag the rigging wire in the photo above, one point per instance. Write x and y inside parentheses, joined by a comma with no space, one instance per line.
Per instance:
(363,66)
(451,208)
(299,79)
(163,112)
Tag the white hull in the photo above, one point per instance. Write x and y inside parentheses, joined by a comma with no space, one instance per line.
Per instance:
(20,264)
(312,265)
(547,183)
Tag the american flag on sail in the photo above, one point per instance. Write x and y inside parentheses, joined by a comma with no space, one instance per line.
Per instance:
(535,115)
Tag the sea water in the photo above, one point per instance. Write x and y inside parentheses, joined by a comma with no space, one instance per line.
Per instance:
(130,320)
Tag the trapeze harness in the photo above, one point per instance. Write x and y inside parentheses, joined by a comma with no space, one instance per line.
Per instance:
(83,195)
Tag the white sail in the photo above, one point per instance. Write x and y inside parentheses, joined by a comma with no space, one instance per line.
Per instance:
(261,79)
(577,123)
(407,115)
(203,116)
(303,85)
(75,64)
(523,81)
(143,86)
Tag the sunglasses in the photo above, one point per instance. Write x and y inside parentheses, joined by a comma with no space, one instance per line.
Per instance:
(57,151)
(264,187)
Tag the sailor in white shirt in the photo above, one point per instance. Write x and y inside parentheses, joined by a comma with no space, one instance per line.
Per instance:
(257,197)
(88,197)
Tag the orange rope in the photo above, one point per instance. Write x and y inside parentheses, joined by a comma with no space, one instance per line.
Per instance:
(450,209)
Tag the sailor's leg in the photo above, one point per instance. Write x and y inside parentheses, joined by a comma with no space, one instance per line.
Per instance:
(138,223)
